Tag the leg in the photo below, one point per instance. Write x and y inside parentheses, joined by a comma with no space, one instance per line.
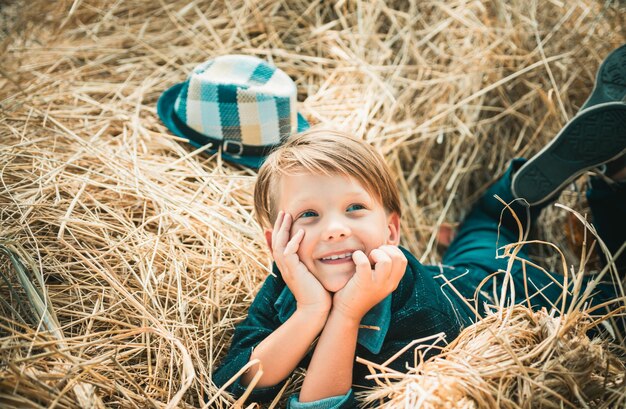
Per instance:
(490,226)
(594,137)
(481,236)
(487,224)
(608,216)
(608,209)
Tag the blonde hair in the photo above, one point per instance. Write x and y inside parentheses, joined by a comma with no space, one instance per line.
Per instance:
(324,152)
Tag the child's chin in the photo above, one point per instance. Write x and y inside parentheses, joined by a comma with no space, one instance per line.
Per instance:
(337,284)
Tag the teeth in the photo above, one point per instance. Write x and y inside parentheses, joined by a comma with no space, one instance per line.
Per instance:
(338,256)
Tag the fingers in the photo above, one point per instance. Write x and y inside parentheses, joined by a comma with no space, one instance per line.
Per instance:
(280,234)
(276,229)
(390,263)
(279,238)
(285,247)
(363,266)
(294,244)
(382,264)
(399,263)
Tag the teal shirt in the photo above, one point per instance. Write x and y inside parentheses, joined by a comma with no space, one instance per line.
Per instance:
(420,306)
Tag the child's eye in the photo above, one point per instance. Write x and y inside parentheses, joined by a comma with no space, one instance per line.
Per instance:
(354,207)
(308,213)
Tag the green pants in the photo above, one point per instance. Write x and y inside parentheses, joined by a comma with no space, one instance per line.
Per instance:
(473,252)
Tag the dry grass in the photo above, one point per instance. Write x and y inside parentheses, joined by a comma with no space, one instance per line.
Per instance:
(148,250)
(519,359)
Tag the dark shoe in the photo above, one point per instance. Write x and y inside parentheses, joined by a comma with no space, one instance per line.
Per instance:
(593,137)
(610,81)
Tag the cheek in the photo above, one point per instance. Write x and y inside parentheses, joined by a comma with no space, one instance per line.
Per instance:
(377,233)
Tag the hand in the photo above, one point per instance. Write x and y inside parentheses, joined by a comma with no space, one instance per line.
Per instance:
(309,292)
(368,286)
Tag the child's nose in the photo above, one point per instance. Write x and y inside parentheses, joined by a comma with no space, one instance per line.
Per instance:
(336,229)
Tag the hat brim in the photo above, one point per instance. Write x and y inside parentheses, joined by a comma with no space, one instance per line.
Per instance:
(165,110)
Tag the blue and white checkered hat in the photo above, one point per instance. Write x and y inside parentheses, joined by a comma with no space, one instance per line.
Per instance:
(238,103)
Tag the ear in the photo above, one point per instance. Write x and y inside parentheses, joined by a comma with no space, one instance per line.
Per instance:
(393,229)
(268,238)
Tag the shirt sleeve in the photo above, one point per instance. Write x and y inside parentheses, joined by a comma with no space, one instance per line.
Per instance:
(333,402)
(259,324)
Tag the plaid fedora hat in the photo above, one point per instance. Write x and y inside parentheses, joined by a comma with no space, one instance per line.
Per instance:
(239,104)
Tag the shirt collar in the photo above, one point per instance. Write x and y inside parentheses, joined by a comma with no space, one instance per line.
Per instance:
(374,325)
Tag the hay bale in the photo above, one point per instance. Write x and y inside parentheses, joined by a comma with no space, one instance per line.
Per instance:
(147,250)
(515,359)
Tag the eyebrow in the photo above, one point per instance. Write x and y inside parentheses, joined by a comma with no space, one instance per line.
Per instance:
(351,195)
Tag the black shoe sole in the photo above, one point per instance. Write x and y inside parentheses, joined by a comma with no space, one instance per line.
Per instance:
(593,137)
(610,80)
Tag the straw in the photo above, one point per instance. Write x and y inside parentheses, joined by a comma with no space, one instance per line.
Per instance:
(147,249)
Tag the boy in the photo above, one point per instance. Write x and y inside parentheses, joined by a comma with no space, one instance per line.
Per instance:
(331,217)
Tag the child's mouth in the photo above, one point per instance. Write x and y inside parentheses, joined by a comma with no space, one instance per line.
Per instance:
(337,259)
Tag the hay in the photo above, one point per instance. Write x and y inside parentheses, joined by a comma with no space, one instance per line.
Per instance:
(520,359)
(147,250)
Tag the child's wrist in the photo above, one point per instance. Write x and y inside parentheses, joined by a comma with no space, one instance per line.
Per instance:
(313,320)
(350,317)
(313,311)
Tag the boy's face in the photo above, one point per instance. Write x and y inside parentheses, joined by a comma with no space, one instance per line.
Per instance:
(338,217)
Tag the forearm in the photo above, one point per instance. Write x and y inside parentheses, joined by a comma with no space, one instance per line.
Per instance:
(330,370)
(281,351)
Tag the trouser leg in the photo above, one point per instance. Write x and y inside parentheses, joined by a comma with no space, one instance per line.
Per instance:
(608,210)
(477,250)
(608,214)
(489,225)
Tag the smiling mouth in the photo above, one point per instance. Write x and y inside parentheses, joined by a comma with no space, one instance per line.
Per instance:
(337,258)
